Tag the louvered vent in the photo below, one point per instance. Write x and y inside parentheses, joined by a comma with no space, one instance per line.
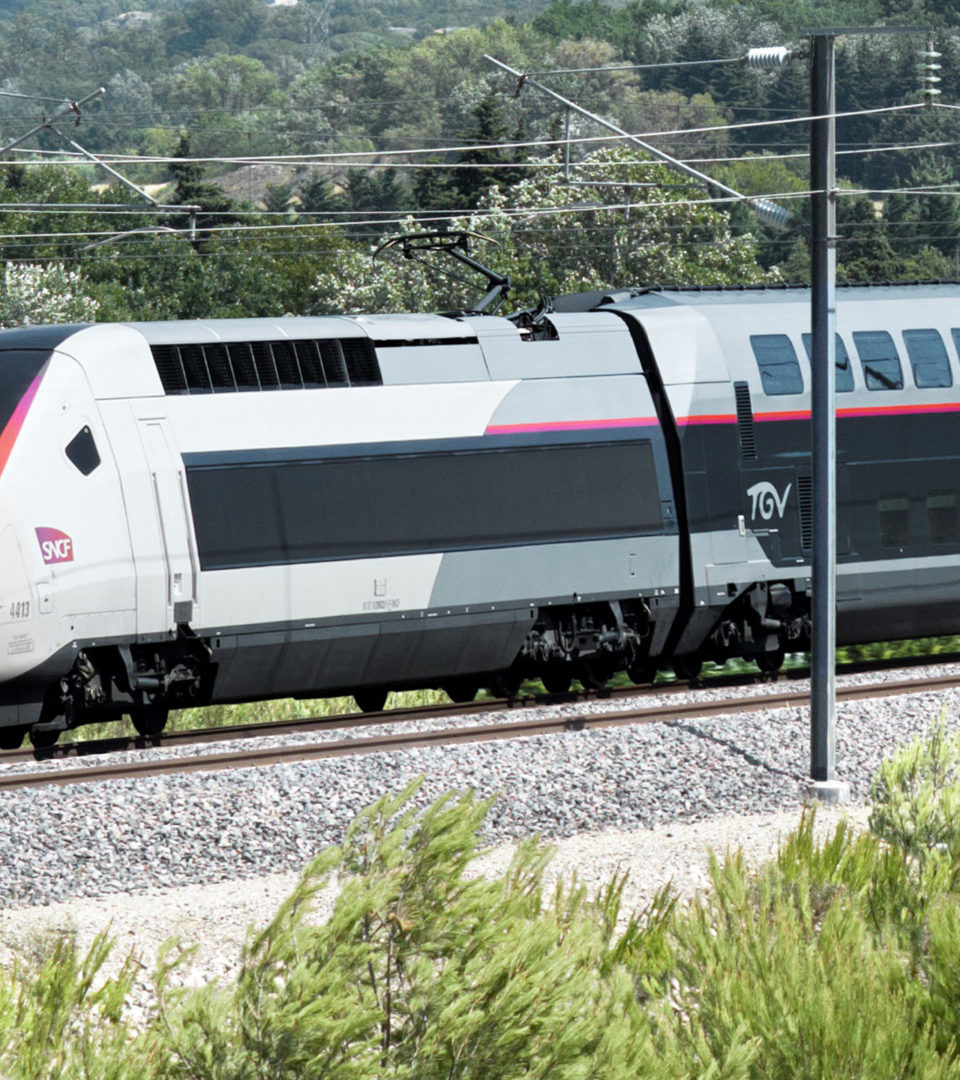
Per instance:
(805,497)
(748,442)
(363,368)
(229,367)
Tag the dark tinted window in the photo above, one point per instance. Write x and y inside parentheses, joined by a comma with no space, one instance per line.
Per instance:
(843,365)
(778,364)
(82,451)
(943,512)
(262,513)
(894,521)
(928,358)
(879,359)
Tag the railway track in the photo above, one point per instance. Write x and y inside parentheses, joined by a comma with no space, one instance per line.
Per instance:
(517,726)
(346,721)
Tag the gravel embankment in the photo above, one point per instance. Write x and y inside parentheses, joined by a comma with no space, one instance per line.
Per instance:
(206,853)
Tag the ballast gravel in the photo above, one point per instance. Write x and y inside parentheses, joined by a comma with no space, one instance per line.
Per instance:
(207,853)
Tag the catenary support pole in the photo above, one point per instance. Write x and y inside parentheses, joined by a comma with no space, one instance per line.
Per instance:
(824,784)
(823,757)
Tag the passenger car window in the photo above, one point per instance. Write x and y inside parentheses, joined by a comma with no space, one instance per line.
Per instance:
(82,451)
(956,340)
(928,358)
(778,364)
(843,365)
(879,359)
(894,521)
(943,512)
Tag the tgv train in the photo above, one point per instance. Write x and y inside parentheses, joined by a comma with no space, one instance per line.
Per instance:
(197,512)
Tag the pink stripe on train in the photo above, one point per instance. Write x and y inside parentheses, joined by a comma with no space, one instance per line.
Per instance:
(572,425)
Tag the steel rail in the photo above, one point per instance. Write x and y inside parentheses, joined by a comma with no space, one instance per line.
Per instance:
(446,736)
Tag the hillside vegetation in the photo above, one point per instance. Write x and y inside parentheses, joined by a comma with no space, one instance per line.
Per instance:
(382,101)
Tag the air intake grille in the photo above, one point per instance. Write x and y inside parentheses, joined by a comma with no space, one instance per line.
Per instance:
(805,497)
(229,367)
(748,442)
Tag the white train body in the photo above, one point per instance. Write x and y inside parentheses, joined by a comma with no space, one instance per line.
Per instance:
(147,561)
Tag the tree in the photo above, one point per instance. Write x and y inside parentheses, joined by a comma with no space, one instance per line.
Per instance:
(865,253)
(930,215)
(319,196)
(192,190)
(34,293)
(471,179)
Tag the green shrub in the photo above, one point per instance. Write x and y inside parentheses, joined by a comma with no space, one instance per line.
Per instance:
(62,1019)
(421,971)
(916,798)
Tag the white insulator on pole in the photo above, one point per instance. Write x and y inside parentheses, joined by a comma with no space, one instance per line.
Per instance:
(927,71)
(772,57)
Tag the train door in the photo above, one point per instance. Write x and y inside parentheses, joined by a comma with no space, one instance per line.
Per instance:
(177,580)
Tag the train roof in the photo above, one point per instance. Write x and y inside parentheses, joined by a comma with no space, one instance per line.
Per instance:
(705,297)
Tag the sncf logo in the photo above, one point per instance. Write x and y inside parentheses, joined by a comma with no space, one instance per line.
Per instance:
(767,501)
(55,546)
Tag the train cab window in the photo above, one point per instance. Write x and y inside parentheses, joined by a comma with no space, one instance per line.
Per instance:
(842,363)
(778,364)
(879,359)
(928,358)
(894,521)
(82,451)
(943,512)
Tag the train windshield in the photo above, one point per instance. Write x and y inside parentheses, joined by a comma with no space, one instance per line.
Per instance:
(19,377)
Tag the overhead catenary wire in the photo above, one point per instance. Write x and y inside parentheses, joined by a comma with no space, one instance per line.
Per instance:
(321,157)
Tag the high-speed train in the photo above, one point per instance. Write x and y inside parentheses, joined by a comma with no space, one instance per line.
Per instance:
(199,512)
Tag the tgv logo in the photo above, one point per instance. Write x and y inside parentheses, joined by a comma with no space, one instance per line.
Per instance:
(765,500)
(55,546)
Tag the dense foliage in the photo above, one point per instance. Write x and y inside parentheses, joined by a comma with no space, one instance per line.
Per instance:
(839,958)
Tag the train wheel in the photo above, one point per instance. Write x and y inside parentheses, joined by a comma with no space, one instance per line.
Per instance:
(460,691)
(372,699)
(506,684)
(42,738)
(555,680)
(11,738)
(642,672)
(687,668)
(770,662)
(149,720)
(593,674)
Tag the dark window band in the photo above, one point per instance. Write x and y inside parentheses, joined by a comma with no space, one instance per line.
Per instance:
(276,512)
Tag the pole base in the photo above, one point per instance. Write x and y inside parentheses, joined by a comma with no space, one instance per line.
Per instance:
(828,791)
